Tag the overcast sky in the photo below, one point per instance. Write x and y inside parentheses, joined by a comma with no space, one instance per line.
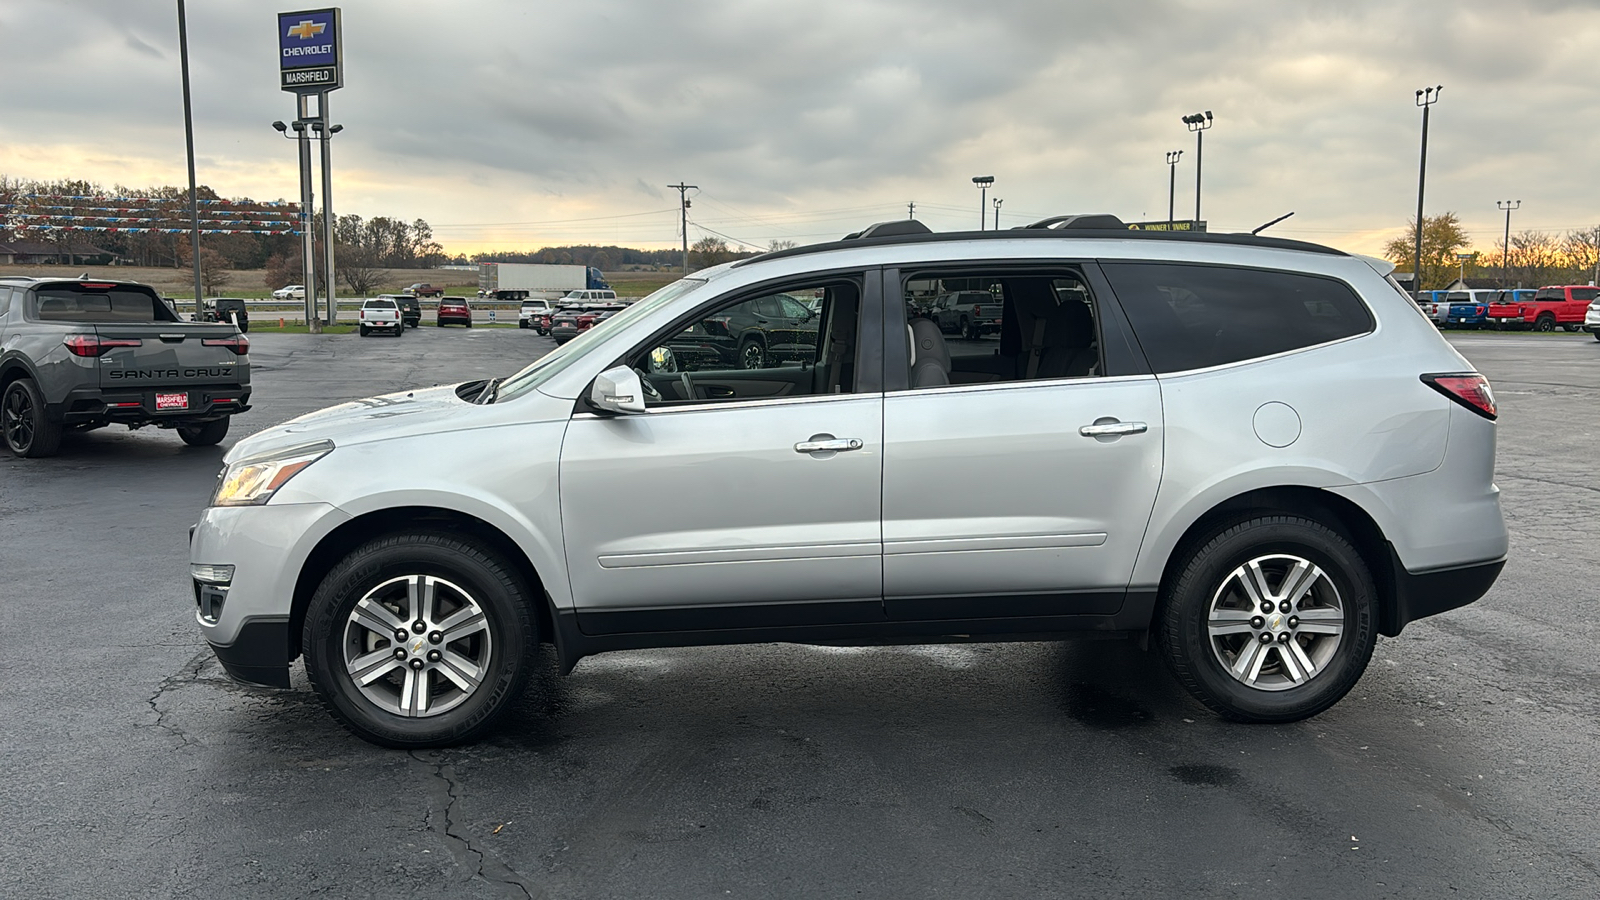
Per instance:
(522,123)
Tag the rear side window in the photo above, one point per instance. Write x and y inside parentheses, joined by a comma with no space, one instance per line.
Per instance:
(100,303)
(1193,317)
(1587,295)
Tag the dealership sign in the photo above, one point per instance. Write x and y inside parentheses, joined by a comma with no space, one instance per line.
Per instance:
(310,60)
(1164,225)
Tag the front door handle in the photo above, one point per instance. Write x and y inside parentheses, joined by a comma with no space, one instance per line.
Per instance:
(1113,429)
(827,443)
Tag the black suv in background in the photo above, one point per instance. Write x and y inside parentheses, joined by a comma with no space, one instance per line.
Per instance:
(226,309)
(756,334)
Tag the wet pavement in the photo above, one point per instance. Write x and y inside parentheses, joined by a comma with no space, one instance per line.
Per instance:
(1463,764)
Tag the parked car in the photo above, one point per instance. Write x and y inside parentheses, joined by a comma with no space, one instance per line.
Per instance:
(578,297)
(1249,452)
(78,355)
(1563,306)
(759,333)
(290,292)
(1591,320)
(455,310)
(569,322)
(226,309)
(380,313)
(410,308)
(1468,309)
(423,289)
(529,315)
(971,314)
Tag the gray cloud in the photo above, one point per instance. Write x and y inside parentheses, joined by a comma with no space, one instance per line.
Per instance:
(515,111)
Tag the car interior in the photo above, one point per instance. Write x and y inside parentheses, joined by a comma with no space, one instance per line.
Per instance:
(808,350)
(1048,330)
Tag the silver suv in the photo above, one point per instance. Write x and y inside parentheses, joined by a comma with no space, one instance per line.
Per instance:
(1256,453)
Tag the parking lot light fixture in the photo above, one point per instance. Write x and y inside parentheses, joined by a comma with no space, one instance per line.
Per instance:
(1426,98)
(983,182)
(1198,123)
(1172,182)
(997,202)
(1505,248)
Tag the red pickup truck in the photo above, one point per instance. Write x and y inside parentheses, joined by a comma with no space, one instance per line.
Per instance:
(1560,305)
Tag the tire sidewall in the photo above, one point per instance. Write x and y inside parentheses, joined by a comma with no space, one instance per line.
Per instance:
(490,581)
(1189,645)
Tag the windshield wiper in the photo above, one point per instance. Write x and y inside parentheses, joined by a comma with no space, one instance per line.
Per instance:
(491,389)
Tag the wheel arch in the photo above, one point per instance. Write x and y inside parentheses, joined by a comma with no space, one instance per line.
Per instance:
(349,535)
(1344,516)
(13,369)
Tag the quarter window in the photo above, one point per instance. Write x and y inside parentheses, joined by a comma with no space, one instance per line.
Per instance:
(1192,317)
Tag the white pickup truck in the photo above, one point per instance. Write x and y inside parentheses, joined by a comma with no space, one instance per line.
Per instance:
(381,313)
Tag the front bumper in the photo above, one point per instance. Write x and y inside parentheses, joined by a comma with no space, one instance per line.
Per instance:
(247,623)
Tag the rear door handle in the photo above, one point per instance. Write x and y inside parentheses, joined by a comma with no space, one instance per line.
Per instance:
(836,445)
(1109,429)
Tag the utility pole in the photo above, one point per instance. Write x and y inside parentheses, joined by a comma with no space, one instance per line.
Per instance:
(683,217)
(1505,248)
(188,139)
(1172,183)
(911,209)
(983,182)
(1198,123)
(1426,98)
(997,202)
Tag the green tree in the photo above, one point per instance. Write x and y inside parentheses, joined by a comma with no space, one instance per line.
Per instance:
(1442,238)
(709,251)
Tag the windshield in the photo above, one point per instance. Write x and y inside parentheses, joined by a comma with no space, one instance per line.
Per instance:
(546,367)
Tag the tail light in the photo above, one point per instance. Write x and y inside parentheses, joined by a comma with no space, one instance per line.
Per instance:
(1466,388)
(240,345)
(94,345)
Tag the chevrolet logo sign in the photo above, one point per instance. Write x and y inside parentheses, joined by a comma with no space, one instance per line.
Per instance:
(307,29)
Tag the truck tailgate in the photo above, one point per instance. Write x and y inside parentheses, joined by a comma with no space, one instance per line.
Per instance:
(171,354)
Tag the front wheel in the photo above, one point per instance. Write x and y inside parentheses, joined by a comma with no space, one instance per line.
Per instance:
(752,355)
(208,435)
(27,429)
(1270,620)
(419,640)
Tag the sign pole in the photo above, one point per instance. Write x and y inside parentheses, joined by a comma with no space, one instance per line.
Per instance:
(332,293)
(308,251)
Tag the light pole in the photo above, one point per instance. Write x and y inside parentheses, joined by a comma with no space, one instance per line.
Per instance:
(997,202)
(683,217)
(1172,182)
(983,182)
(1426,98)
(1198,123)
(308,248)
(188,139)
(325,134)
(1505,248)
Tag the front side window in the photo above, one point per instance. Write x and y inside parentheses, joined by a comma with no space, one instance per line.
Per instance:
(1003,326)
(1192,317)
(794,342)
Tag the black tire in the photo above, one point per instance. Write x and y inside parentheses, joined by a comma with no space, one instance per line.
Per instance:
(28,431)
(1573,328)
(469,323)
(965,329)
(1597,335)
(510,631)
(400,330)
(752,355)
(1193,654)
(209,434)
(1545,323)
(365,331)
(244,327)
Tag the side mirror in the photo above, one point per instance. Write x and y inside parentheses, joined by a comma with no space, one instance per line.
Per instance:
(618,390)
(662,361)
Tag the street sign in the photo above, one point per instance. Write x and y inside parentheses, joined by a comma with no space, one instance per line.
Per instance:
(1164,225)
(310,45)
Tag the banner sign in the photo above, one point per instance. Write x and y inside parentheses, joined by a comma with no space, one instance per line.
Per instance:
(310,51)
(1164,225)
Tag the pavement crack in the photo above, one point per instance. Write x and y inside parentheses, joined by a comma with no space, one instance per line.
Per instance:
(187,675)
(1553,481)
(485,865)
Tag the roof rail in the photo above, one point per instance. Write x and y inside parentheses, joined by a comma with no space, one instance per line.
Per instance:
(1098,221)
(889,229)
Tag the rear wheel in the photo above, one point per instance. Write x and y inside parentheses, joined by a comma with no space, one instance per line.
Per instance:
(208,435)
(365,331)
(419,640)
(752,355)
(28,430)
(1270,620)
(1545,323)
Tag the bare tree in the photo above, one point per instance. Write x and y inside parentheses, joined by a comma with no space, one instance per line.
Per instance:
(359,270)
(775,246)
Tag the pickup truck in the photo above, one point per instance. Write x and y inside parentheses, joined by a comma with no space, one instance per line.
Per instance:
(1550,307)
(971,314)
(380,313)
(423,289)
(78,355)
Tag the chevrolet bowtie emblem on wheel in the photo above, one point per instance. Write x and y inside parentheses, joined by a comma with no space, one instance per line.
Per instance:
(307,29)
(417,647)
(1276,621)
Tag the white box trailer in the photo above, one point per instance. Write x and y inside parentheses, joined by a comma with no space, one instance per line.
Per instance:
(540,281)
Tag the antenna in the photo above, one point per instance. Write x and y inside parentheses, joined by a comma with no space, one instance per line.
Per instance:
(1260,228)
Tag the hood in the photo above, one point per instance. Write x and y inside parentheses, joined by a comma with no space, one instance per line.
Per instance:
(359,421)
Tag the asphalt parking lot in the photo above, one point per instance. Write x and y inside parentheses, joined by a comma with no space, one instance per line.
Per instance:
(1466,762)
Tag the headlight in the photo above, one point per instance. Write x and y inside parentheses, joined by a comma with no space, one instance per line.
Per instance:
(252,482)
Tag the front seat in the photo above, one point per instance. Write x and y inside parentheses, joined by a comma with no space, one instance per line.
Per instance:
(930,358)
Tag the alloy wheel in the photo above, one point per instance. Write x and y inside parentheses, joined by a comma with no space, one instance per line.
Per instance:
(1275,622)
(17,419)
(417,645)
